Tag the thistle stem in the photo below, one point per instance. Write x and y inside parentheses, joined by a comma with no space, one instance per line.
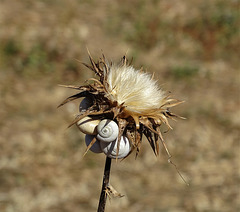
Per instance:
(103,195)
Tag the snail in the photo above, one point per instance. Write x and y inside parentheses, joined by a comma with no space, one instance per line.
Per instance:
(106,133)
(110,149)
(85,104)
(88,125)
(107,130)
(96,148)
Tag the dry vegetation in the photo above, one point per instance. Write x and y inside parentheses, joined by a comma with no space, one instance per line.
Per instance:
(193,48)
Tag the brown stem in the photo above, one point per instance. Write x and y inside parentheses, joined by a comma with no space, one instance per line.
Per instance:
(103,195)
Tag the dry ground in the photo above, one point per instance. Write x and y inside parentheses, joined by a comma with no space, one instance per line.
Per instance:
(192,46)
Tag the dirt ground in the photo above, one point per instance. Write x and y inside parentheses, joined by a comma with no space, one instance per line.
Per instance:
(192,46)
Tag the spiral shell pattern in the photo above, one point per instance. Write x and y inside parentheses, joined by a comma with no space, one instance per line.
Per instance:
(107,130)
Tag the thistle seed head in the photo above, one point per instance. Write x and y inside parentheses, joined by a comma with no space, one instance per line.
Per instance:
(132,98)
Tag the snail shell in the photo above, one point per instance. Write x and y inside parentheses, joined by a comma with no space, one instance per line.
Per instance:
(110,149)
(96,146)
(107,130)
(88,125)
(85,104)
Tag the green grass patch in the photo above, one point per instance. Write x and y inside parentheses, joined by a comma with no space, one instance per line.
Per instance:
(183,72)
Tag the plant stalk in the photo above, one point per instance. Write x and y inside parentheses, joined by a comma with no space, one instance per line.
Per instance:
(103,195)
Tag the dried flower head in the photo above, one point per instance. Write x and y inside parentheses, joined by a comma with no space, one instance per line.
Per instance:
(131,98)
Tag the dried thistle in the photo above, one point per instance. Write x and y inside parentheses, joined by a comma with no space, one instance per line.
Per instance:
(119,107)
(129,97)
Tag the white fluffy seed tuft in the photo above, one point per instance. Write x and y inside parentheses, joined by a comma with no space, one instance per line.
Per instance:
(136,89)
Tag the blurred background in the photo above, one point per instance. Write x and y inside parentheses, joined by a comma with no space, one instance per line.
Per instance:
(192,46)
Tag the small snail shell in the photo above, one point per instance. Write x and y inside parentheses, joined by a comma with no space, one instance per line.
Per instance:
(110,149)
(88,125)
(85,104)
(107,130)
(96,146)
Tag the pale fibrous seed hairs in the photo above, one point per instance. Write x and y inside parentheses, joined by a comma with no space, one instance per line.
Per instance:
(136,89)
